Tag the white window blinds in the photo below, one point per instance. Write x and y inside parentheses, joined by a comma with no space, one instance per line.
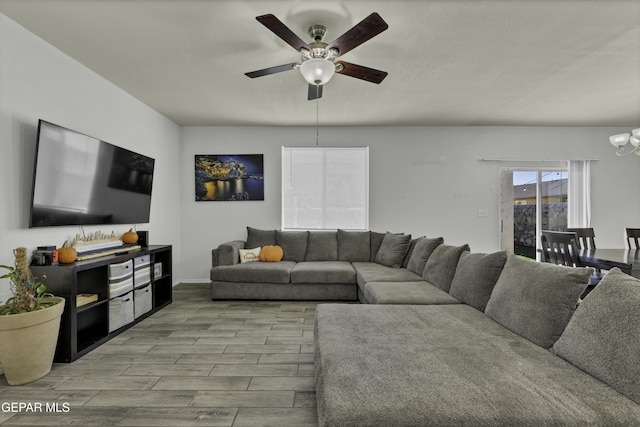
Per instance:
(325,188)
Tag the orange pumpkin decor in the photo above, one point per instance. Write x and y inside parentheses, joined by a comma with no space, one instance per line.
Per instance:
(67,254)
(130,237)
(271,253)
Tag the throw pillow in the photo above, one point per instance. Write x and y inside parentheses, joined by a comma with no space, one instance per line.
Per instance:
(322,246)
(602,336)
(249,255)
(535,299)
(257,237)
(405,261)
(354,246)
(293,243)
(441,265)
(476,276)
(270,253)
(376,241)
(393,249)
(421,252)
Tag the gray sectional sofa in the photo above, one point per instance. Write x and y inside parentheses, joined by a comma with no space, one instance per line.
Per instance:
(338,266)
(447,337)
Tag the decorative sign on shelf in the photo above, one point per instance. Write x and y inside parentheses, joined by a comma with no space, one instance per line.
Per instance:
(95,241)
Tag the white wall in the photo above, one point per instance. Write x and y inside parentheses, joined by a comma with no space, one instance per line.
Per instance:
(38,81)
(423,180)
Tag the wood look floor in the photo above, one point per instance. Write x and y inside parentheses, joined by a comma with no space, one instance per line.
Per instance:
(196,362)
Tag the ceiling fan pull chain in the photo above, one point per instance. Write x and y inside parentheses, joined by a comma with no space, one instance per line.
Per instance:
(317,114)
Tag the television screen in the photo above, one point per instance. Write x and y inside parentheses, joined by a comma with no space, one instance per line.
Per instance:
(80,180)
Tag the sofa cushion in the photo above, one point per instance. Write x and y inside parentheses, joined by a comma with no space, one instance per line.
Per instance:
(441,265)
(322,246)
(354,246)
(448,365)
(293,243)
(376,241)
(602,336)
(372,272)
(476,276)
(406,293)
(536,300)
(323,272)
(393,249)
(412,245)
(421,252)
(256,238)
(254,272)
(249,255)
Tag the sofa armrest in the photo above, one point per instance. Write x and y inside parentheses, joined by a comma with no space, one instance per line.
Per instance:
(214,257)
(227,253)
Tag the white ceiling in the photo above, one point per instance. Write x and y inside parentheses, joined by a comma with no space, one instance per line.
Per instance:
(450,62)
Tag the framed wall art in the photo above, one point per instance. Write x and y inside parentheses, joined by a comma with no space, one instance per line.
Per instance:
(229,177)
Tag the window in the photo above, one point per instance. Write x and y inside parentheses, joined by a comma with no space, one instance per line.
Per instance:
(325,188)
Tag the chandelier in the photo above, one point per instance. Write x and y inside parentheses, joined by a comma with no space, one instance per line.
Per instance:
(619,141)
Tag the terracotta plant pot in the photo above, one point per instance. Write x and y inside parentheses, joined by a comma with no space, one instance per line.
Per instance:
(28,343)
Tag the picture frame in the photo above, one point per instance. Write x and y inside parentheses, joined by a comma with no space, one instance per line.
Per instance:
(229,177)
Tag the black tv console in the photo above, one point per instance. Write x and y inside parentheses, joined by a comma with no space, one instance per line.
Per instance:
(85,327)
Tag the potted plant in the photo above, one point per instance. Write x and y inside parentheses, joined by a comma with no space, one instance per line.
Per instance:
(29,325)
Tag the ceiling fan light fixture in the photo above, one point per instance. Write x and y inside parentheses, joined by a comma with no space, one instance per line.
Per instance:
(317,71)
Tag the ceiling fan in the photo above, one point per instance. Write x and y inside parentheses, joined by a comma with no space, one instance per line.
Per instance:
(318,62)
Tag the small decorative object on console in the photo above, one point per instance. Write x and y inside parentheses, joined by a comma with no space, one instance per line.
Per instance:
(100,244)
(95,241)
(130,237)
(67,254)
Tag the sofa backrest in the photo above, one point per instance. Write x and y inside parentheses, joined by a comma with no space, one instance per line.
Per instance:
(354,246)
(322,246)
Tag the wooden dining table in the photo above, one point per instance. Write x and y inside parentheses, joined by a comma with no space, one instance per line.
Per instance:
(627,260)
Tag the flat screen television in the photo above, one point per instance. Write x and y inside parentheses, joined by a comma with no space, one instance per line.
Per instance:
(81,180)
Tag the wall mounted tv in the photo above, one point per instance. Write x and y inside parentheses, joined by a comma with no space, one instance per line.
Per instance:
(80,180)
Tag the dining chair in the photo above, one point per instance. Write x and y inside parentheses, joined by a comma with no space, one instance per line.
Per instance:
(559,247)
(586,237)
(586,240)
(633,234)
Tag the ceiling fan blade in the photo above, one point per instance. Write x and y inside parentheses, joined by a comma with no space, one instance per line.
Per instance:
(361,72)
(314,92)
(282,31)
(366,29)
(271,70)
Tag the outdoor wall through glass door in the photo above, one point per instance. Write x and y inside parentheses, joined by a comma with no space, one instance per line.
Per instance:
(531,201)
(325,188)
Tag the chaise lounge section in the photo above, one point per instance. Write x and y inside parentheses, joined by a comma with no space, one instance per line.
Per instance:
(525,361)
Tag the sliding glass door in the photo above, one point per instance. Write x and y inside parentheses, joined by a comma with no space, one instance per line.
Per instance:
(531,200)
